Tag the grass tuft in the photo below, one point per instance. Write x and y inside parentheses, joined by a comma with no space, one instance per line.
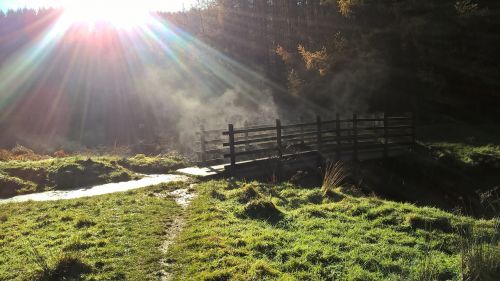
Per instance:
(480,256)
(248,193)
(66,267)
(334,175)
(262,209)
(84,222)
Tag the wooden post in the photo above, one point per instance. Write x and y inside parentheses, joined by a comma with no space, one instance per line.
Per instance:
(338,133)
(247,145)
(278,138)
(355,135)
(203,144)
(386,140)
(231,145)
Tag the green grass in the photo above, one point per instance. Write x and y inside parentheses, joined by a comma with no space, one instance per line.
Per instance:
(153,164)
(462,144)
(110,237)
(298,234)
(467,155)
(21,177)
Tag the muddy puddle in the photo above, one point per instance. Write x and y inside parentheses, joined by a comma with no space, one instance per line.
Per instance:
(183,196)
(96,190)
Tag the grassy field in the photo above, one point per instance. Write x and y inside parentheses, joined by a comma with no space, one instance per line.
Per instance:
(256,231)
(22,177)
(110,237)
(252,231)
(464,145)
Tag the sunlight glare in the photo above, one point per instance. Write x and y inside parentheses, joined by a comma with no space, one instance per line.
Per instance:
(119,13)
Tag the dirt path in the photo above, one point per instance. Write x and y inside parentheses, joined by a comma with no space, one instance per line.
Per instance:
(183,197)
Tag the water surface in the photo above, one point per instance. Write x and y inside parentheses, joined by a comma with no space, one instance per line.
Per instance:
(96,190)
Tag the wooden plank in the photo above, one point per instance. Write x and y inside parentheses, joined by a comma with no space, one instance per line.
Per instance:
(250,152)
(250,130)
(247,142)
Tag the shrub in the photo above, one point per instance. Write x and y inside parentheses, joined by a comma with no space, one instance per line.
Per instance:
(6,155)
(20,152)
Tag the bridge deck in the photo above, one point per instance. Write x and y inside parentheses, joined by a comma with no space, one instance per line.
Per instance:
(302,160)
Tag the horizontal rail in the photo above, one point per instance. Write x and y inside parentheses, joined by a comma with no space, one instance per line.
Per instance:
(340,134)
(250,141)
(290,138)
(251,130)
(270,128)
(257,151)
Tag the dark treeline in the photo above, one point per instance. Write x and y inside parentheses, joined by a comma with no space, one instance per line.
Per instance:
(438,57)
(382,55)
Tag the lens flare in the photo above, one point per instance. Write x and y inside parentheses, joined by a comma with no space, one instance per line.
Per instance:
(123,14)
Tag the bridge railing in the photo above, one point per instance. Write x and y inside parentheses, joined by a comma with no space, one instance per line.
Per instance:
(343,137)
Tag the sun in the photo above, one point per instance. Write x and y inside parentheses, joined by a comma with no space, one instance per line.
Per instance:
(119,13)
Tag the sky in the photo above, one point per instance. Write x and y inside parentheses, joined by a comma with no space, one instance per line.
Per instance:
(153,5)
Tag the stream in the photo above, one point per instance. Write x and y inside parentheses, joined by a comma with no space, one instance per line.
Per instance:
(147,180)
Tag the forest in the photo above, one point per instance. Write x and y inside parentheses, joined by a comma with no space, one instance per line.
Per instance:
(437,58)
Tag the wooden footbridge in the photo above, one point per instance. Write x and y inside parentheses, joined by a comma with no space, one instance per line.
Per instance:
(357,137)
